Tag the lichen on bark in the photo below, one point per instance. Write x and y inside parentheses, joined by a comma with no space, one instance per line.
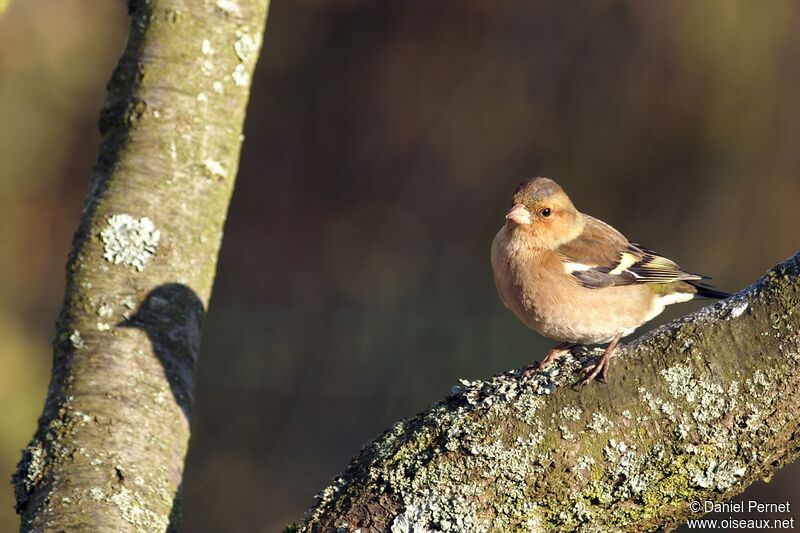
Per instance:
(110,445)
(696,410)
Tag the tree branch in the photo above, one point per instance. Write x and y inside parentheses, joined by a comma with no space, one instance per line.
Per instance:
(695,410)
(109,449)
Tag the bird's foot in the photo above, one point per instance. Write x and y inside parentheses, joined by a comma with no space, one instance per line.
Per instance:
(552,356)
(599,370)
(528,371)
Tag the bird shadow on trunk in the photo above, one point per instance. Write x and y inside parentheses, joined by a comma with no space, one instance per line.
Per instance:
(172,317)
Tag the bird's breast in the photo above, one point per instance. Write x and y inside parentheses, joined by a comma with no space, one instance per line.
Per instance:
(535,287)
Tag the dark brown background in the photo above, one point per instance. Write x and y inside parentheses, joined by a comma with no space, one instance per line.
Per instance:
(383,141)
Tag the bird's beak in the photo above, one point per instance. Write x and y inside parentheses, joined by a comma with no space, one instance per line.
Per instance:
(519,214)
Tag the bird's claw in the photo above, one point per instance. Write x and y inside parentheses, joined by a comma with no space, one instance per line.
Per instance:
(597,371)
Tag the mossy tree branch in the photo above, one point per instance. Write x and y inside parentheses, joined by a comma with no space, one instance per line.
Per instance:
(109,450)
(695,410)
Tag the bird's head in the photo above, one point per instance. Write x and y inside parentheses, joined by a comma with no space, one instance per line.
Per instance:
(543,212)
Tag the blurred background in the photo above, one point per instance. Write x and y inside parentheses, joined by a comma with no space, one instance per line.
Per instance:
(383,142)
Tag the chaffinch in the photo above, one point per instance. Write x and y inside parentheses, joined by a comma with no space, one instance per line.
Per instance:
(575,279)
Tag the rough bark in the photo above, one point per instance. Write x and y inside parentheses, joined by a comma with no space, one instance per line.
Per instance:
(109,450)
(695,410)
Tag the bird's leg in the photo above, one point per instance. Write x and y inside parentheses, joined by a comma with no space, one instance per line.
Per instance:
(600,369)
(552,355)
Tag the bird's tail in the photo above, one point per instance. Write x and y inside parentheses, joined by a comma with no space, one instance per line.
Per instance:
(705,290)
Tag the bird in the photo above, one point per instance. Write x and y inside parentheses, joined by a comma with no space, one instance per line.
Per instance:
(575,279)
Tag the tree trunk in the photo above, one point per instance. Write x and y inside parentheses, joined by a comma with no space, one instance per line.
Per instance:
(695,410)
(109,450)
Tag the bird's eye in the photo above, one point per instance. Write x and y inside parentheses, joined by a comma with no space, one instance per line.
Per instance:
(546,212)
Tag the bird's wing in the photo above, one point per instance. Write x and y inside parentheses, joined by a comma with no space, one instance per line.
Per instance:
(602,257)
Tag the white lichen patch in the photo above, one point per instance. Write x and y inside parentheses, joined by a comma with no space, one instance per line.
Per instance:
(630,471)
(218,87)
(129,303)
(133,507)
(581,512)
(443,511)
(240,75)
(758,383)
(214,168)
(652,402)
(718,476)
(160,397)
(409,522)
(758,393)
(667,408)
(508,386)
(82,417)
(570,413)
(738,309)
(526,408)
(576,516)
(206,47)
(246,45)
(35,465)
(130,241)
(229,6)
(712,404)
(584,462)
(105,311)
(681,382)
(599,423)
(76,340)
(707,397)
(682,431)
